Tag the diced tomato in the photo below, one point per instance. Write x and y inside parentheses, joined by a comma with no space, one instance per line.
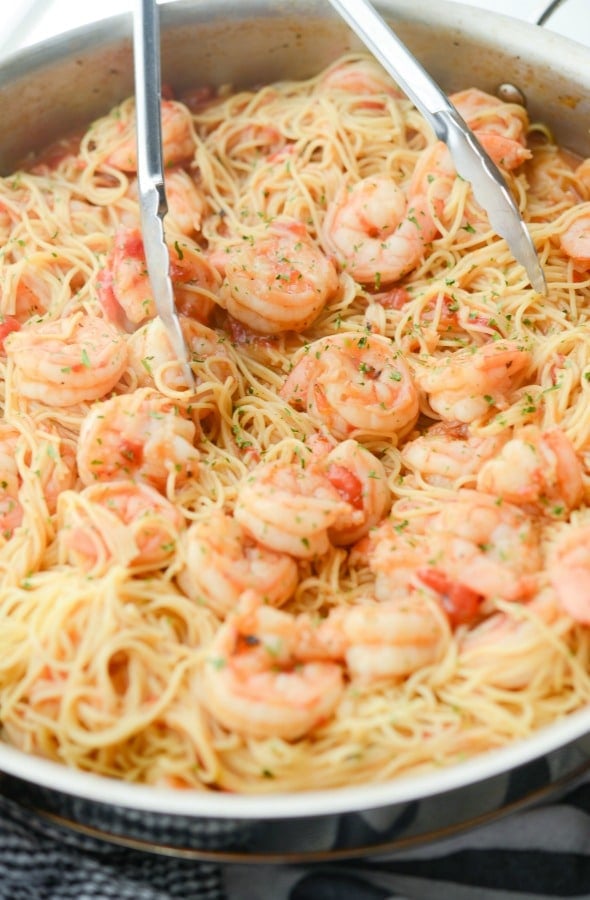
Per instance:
(395,298)
(459,602)
(129,242)
(346,483)
(7,325)
(132,451)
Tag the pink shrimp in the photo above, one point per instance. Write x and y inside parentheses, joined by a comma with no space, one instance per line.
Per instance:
(536,469)
(575,240)
(468,384)
(186,203)
(142,435)
(290,509)
(72,360)
(278,282)
(471,548)
(354,383)
(178,142)
(255,681)
(124,289)
(220,561)
(117,522)
(364,80)
(377,641)
(360,479)
(377,233)
(569,569)
(152,357)
(500,127)
(448,455)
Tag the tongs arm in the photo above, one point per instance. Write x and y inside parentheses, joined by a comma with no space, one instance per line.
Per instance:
(469,158)
(150,173)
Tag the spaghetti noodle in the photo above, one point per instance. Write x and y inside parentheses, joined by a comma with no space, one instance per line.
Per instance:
(359,548)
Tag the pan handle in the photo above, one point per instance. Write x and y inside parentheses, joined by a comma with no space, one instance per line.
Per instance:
(540,17)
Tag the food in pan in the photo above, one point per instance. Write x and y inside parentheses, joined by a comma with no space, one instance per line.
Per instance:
(359,549)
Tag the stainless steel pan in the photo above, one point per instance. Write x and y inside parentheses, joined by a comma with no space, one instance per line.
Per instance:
(63,84)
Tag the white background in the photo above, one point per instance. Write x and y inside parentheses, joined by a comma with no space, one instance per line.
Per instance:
(25,22)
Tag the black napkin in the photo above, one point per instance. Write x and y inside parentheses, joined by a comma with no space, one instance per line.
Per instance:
(536,854)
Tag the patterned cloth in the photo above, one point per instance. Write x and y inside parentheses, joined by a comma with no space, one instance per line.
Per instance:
(534,855)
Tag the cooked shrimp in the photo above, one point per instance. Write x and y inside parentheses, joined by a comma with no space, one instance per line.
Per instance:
(472,548)
(124,289)
(142,436)
(278,282)
(511,646)
(178,142)
(486,545)
(72,360)
(8,324)
(500,127)
(379,641)
(506,153)
(575,240)
(469,383)
(220,561)
(402,562)
(434,178)
(186,203)
(151,355)
(118,522)
(354,383)
(50,465)
(484,112)
(536,469)
(569,570)
(448,455)
(360,479)
(255,683)
(360,76)
(291,509)
(377,234)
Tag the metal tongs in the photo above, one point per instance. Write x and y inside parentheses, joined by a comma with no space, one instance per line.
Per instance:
(150,173)
(470,159)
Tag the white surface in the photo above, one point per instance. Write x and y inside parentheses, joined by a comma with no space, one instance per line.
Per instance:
(31,21)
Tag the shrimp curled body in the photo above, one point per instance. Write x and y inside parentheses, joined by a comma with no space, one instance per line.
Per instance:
(376,234)
(469,383)
(360,479)
(536,469)
(354,383)
(279,282)
(140,436)
(575,240)
(72,360)
(290,509)
(254,681)
(377,641)
(117,522)
(221,562)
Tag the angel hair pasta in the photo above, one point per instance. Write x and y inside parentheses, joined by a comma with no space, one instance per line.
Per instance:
(359,547)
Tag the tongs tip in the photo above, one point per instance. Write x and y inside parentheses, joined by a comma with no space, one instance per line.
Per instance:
(538,281)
